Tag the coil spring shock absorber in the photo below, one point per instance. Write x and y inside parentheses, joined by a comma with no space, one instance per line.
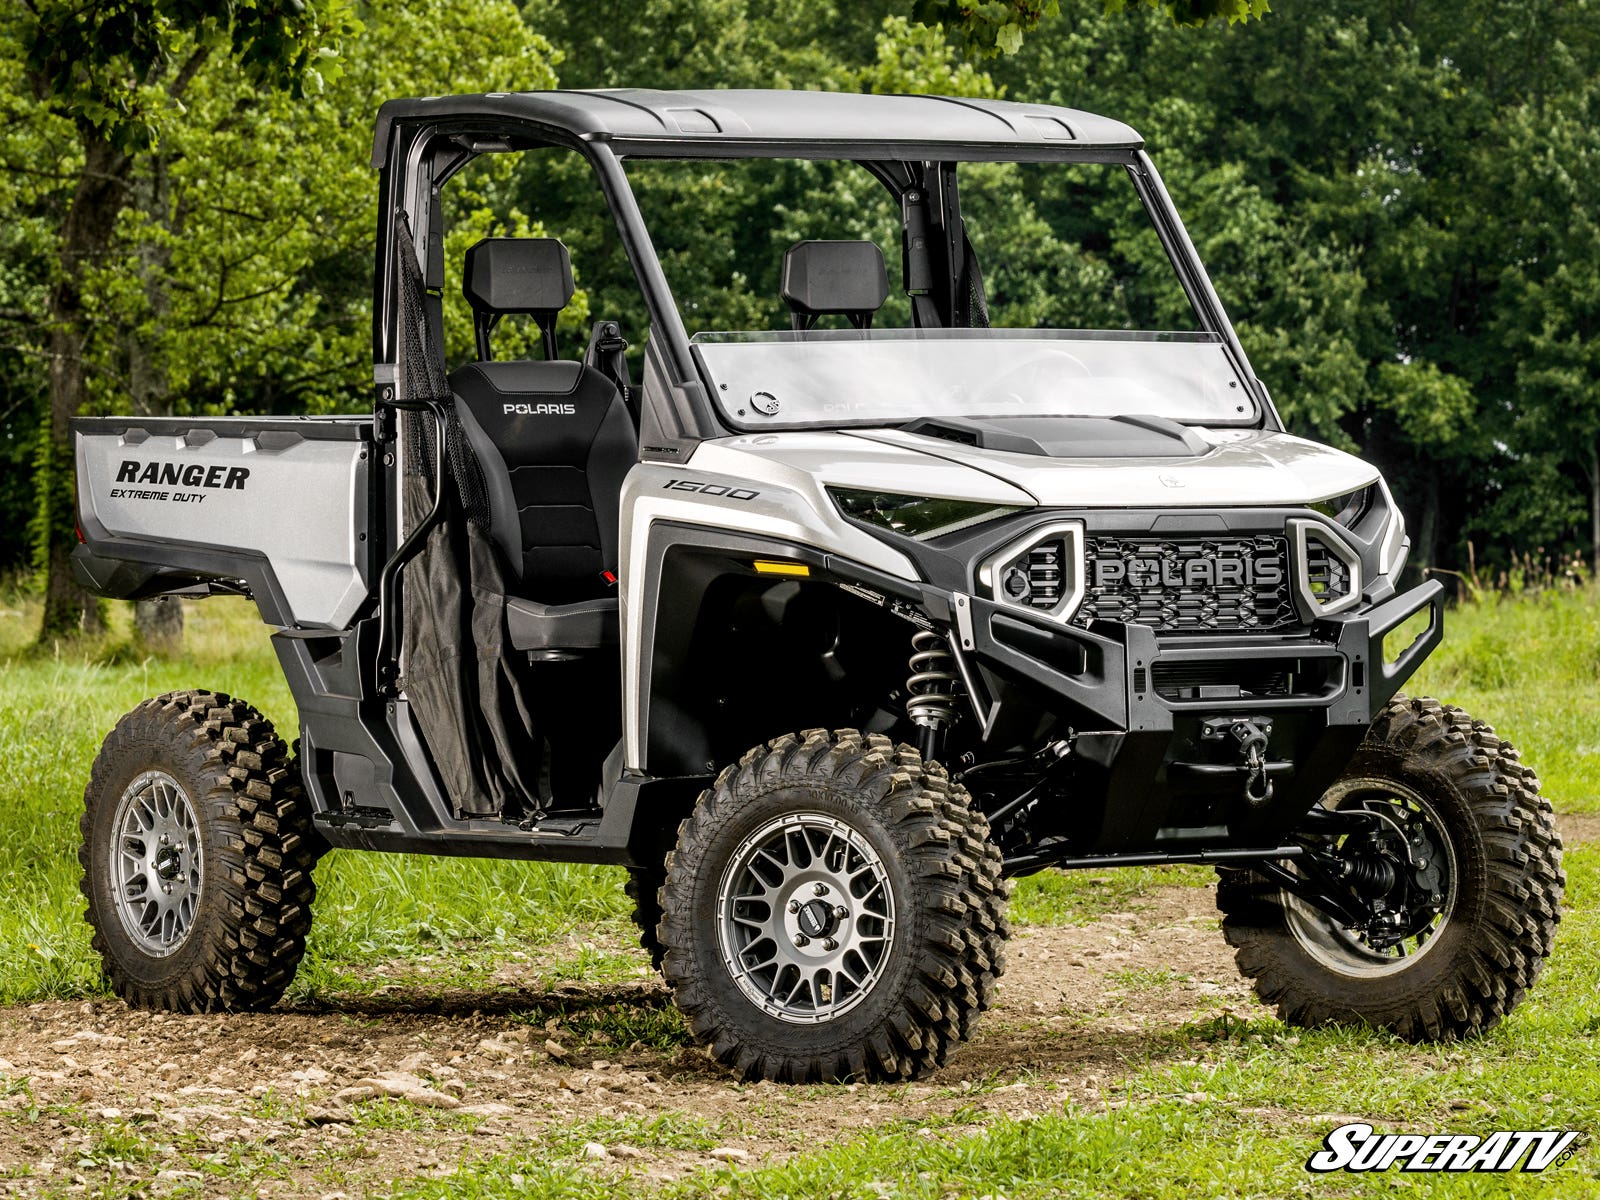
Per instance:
(931,690)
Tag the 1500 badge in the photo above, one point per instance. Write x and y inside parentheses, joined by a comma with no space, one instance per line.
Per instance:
(709,489)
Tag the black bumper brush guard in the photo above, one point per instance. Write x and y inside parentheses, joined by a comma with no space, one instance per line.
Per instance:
(1148,709)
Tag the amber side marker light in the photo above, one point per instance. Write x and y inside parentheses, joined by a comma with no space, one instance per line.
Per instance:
(768,567)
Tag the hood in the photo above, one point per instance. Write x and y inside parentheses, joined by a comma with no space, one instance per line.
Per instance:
(1234,468)
(806,461)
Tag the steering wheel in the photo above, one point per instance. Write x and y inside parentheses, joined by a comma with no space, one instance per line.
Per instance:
(1027,384)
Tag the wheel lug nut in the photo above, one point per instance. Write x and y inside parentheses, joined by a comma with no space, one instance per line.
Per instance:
(801,939)
(794,906)
(821,889)
(840,912)
(830,944)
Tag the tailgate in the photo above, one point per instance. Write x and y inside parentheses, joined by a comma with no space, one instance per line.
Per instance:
(276,507)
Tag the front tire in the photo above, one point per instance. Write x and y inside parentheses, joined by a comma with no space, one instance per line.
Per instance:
(197,853)
(833,910)
(1489,887)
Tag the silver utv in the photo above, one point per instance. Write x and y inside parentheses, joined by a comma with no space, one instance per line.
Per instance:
(821,631)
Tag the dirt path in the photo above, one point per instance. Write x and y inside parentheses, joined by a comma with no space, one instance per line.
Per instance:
(1078,1003)
(496,1069)
(1578,827)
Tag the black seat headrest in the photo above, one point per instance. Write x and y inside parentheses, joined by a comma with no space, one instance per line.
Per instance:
(834,278)
(517,275)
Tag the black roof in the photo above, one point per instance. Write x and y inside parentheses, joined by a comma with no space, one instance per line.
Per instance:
(739,124)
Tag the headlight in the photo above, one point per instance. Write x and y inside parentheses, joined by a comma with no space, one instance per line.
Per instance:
(1374,522)
(1344,510)
(918,517)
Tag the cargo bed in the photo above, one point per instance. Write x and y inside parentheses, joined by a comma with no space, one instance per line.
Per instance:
(272,507)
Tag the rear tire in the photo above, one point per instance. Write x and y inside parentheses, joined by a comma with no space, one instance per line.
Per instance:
(197,854)
(807,829)
(644,889)
(1502,888)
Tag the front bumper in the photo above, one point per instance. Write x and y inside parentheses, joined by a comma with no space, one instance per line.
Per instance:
(1115,672)
(1149,776)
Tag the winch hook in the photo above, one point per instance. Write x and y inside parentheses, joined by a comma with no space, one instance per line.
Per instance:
(1257,783)
(1253,734)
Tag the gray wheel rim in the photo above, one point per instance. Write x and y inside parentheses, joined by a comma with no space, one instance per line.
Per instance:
(805,915)
(156,863)
(1341,949)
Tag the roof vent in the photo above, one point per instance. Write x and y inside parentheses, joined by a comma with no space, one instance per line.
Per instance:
(694,120)
(1052,129)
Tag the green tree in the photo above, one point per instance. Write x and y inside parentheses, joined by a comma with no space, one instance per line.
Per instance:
(990,27)
(115,72)
(237,276)
(241,280)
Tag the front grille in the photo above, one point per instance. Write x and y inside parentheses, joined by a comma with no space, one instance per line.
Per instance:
(1191,584)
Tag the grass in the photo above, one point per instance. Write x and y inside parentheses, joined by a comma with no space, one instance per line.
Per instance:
(1530,665)
(1222,1105)
(1164,1150)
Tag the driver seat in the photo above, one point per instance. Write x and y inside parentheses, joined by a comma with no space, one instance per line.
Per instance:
(554,441)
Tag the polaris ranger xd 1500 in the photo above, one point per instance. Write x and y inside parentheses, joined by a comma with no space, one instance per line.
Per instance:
(821,632)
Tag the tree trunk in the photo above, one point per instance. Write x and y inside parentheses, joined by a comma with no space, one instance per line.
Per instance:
(158,625)
(1425,541)
(85,235)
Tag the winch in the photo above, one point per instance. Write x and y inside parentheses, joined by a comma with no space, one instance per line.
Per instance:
(1252,734)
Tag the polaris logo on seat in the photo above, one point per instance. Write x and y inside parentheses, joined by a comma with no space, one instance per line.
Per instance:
(541,410)
(1261,571)
(194,475)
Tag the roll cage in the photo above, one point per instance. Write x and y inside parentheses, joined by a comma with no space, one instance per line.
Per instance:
(909,144)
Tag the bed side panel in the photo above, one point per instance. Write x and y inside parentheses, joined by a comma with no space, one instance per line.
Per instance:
(296,498)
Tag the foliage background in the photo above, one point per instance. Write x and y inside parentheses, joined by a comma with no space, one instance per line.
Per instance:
(1395,199)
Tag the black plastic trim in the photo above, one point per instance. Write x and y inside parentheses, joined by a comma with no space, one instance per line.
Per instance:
(128,568)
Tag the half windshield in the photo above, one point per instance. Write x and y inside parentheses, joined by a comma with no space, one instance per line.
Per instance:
(788,380)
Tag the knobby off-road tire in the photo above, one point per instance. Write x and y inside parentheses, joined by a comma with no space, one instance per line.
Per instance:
(1508,885)
(880,832)
(644,889)
(250,824)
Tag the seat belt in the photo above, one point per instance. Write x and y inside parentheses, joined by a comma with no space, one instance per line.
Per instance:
(606,354)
